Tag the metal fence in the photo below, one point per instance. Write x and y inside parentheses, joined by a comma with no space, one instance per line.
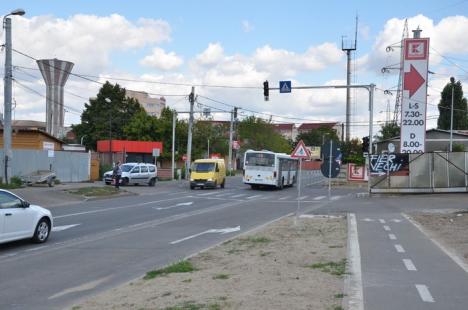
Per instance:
(68,166)
(428,172)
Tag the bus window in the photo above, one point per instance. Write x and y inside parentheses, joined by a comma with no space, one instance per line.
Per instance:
(260,159)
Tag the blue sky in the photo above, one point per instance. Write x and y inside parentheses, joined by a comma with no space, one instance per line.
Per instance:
(248,34)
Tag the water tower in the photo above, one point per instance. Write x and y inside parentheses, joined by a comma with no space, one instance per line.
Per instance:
(55,73)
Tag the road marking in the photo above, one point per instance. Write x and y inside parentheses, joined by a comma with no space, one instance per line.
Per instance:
(237,196)
(302,198)
(395,220)
(335,197)
(450,253)
(409,264)
(81,288)
(424,293)
(386,227)
(367,220)
(122,207)
(255,196)
(382,221)
(392,236)
(36,248)
(321,216)
(63,227)
(175,206)
(320,197)
(399,248)
(353,281)
(209,231)
(284,198)
(207,194)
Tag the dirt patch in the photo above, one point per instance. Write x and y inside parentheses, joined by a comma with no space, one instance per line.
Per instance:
(449,229)
(281,266)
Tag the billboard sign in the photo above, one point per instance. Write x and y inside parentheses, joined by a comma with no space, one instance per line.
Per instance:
(413,104)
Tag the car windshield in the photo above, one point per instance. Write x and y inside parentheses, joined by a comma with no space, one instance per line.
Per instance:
(203,167)
(127,168)
(260,159)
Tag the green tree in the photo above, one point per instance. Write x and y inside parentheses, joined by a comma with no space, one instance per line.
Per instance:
(100,117)
(316,137)
(352,151)
(141,127)
(387,131)
(258,134)
(460,120)
(217,134)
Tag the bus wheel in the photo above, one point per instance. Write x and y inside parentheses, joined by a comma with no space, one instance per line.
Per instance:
(254,186)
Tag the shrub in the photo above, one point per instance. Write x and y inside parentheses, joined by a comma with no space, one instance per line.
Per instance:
(458,148)
(16,181)
(103,168)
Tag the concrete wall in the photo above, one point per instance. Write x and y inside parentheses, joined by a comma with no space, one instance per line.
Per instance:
(68,166)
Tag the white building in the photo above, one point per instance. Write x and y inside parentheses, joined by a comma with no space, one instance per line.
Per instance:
(152,106)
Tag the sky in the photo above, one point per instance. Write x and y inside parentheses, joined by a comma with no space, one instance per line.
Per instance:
(165,47)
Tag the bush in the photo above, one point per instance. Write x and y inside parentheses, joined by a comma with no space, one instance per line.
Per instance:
(104,168)
(16,181)
(458,148)
(356,159)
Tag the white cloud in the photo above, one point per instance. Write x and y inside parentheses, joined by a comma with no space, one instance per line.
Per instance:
(211,55)
(247,26)
(86,40)
(159,59)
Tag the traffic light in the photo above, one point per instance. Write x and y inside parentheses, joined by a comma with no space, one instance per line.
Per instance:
(365,144)
(235,113)
(266,91)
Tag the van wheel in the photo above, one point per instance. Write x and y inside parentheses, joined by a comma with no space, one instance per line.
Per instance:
(224,182)
(152,182)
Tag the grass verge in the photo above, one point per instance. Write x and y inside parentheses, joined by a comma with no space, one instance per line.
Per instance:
(95,191)
(334,268)
(194,306)
(179,267)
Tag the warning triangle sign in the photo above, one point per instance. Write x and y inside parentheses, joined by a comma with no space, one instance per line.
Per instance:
(301,151)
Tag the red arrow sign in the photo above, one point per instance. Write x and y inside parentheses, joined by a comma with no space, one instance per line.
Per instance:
(413,80)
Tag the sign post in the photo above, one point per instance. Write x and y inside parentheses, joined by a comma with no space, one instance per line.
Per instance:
(413,106)
(299,152)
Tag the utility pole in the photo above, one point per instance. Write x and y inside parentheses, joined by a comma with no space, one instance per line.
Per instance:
(451,119)
(189,139)
(7,151)
(174,119)
(230,141)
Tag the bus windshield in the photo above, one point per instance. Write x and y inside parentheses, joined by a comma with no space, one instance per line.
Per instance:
(260,159)
(203,167)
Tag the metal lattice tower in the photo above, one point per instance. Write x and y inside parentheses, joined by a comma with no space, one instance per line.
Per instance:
(399,94)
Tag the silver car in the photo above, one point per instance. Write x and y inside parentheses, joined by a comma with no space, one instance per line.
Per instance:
(135,173)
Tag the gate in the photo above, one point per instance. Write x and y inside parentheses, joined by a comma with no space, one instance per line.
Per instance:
(420,173)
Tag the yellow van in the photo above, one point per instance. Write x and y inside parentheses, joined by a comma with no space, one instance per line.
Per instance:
(208,173)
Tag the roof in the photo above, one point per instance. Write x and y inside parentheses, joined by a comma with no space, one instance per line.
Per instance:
(36,131)
(28,124)
(309,126)
(285,126)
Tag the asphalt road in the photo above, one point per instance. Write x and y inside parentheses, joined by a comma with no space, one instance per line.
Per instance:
(100,244)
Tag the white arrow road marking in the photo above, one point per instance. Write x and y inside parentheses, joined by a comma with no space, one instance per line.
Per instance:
(395,220)
(64,227)
(424,293)
(409,265)
(335,197)
(175,206)
(255,196)
(367,220)
(209,231)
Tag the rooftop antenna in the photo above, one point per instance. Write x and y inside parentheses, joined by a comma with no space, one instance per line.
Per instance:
(348,47)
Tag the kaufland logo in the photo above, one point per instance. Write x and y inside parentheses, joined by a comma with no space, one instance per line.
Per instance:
(416,49)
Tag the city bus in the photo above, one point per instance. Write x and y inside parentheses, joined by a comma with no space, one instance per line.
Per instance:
(265,168)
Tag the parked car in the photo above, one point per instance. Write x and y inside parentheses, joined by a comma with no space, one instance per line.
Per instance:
(135,173)
(20,220)
(208,173)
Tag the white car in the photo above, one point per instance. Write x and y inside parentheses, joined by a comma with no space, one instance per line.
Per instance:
(21,220)
(135,173)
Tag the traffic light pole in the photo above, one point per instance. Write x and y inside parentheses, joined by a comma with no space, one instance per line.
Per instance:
(230,142)
(189,138)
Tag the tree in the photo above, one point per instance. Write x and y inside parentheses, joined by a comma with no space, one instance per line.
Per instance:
(316,137)
(460,120)
(387,131)
(258,134)
(101,118)
(217,134)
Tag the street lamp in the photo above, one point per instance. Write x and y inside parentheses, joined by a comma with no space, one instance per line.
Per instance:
(7,151)
(109,101)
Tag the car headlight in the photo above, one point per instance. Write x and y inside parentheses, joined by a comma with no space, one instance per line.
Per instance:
(209,180)
(191,180)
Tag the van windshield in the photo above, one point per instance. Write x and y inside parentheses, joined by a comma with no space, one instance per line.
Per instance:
(203,167)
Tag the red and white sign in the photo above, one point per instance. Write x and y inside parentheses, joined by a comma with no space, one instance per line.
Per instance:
(357,173)
(235,145)
(301,151)
(413,104)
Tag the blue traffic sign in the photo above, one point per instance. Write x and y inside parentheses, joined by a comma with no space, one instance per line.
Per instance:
(285,86)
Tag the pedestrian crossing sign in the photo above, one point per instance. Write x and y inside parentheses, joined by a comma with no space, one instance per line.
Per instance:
(285,86)
(301,151)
